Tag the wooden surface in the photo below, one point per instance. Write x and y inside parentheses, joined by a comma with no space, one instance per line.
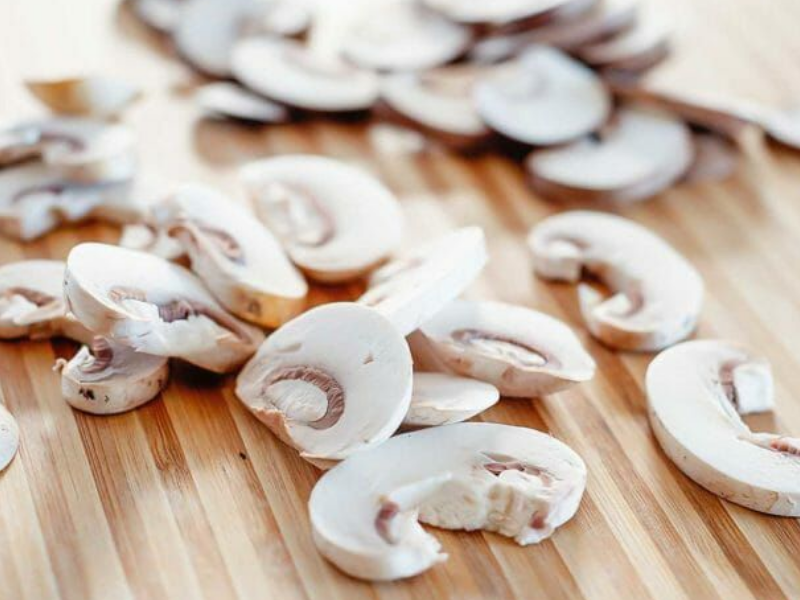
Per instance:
(190,497)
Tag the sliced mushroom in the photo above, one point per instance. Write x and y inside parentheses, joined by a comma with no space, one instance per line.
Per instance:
(231,100)
(9,437)
(783,126)
(332,382)
(696,392)
(441,399)
(107,378)
(93,96)
(148,238)
(162,15)
(542,98)
(335,221)
(412,289)
(640,153)
(499,12)
(155,307)
(656,295)
(366,512)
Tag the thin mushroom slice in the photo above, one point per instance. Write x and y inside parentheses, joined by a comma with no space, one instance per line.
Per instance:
(332,382)
(499,12)
(442,399)
(231,100)
(541,98)
(656,295)
(696,393)
(155,307)
(335,221)
(162,15)
(148,238)
(412,289)
(783,126)
(107,378)
(9,437)
(366,512)
(88,96)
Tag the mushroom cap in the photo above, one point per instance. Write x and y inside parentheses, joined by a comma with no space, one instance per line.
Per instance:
(442,399)
(515,481)
(332,382)
(90,95)
(496,12)
(9,437)
(657,295)
(31,299)
(524,353)
(690,388)
(227,99)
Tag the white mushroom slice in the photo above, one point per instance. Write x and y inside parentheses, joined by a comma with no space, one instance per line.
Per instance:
(334,381)
(162,15)
(107,378)
(9,437)
(783,126)
(656,295)
(696,392)
(335,221)
(640,153)
(412,289)
(441,399)
(230,100)
(148,238)
(542,98)
(281,17)
(496,12)
(93,96)
(155,307)
(524,353)
(366,512)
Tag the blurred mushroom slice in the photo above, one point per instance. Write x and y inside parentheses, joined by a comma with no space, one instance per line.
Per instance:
(696,393)
(518,482)
(441,399)
(639,154)
(162,15)
(332,382)
(524,353)
(412,289)
(542,98)
(237,258)
(231,100)
(281,17)
(107,378)
(783,126)
(9,437)
(31,300)
(715,158)
(147,238)
(655,294)
(92,96)
(335,221)
(501,12)
(155,307)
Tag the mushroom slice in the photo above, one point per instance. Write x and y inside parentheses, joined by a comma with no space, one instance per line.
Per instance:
(412,289)
(9,437)
(783,126)
(93,96)
(231,100)
(147,238)
(656,295)
(334,381)
(107,378)
(543,97)
(336,221)
(696,392)
(155,307)
(640,153)
(239,260)
(441,399)
(499,12)
(162,15)
(366,512)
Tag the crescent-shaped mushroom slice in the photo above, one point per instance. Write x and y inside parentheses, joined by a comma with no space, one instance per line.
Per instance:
(500,12)
(366,512)
(412,289)
(696,392)
(155,307)
(335,221)
(543,97)
(239,260)
(783,126)
(107,378)
(656,295)
(326,401)
(92,96)
(639,154)
(442,399)
(9,437)
(226,99)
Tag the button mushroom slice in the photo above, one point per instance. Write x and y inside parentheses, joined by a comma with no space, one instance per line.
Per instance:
(696,392)
(9,437)
(639,154)
(412,289)
(90,95)
(332,382)
(656,295)
(230,100)
(107,378)
(541,98)
(148,238)
(155,307)
(366,512)
(441,399)
(335,221)
(501,12)
(162,15)
(783,126)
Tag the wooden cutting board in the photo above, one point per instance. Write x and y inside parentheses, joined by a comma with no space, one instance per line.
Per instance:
(190,497)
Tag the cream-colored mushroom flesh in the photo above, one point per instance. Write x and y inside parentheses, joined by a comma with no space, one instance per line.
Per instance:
(497,12)
(9,437)
(92,96)
(655,294)
(334,381)
(634,50)
(148,238)
(226,99)
(162,15)
(366,512)
(442,399)
(783,126)
(522,352)
(335,221)
(412,289)
(696,392)
(154,306)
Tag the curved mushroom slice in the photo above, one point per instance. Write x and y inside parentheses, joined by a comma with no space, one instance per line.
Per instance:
(656,295)
(155,307)
(412,289)
(9,437)
(107,378)
(335,221)
(148,238)
(162,15)
(441,399)
(94,96)
(641,153)
(366,512)
(231,100)
(334,381)
(715,158)
(500,12)
(541,98)
(783,126)
(696,392)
